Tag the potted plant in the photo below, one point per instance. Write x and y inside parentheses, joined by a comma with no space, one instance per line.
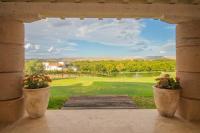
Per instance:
(166,95)
(36,94)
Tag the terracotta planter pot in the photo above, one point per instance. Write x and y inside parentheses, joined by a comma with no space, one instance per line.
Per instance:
(36,101)
(166,101)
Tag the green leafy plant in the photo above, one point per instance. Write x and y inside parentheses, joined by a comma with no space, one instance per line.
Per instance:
(36,81)
(167,82)
(34,67)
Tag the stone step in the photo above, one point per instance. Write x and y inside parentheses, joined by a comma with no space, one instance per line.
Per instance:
(100,102)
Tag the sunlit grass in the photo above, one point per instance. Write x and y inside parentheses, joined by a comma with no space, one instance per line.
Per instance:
(88,80)
(140,89)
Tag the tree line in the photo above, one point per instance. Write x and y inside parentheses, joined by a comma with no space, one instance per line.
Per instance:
(106,67)
(112,66)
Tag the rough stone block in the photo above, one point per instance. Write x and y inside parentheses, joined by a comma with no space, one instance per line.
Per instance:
(188,33)
(11,31)
(11,58)
(190,83)
(11,110)
(188,59)
(11,85)
(189,109)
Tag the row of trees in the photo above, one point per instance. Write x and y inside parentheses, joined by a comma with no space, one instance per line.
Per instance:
(108,67)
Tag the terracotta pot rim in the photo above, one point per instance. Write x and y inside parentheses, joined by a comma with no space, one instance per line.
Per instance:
(172,90)
(38,89)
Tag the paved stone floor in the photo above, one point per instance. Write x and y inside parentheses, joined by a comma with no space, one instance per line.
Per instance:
(100,102)
(103,121)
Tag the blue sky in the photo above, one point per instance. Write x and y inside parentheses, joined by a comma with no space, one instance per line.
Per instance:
(72,37)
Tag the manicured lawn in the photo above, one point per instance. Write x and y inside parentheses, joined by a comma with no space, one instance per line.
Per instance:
(140,89)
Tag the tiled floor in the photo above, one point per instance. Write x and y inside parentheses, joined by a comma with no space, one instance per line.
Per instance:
(103,121)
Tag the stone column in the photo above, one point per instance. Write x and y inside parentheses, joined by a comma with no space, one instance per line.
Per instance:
(11,69)
(188,68)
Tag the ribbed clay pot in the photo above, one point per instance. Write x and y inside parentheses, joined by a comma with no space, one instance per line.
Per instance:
(166,101)
(36,101)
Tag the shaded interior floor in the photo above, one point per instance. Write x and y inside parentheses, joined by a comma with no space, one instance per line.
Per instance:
(100,102)
(103,121)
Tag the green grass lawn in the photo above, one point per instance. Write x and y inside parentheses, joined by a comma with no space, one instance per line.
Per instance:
(140,89)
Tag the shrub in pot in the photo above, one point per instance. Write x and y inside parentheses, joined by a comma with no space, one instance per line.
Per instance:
(166,95)
(36,94)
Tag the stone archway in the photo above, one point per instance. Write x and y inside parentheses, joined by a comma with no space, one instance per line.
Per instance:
(186,14)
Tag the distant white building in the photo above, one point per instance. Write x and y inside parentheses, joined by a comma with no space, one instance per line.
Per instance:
(54,66)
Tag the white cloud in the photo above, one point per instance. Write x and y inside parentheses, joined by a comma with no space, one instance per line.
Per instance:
(58,36)
(27,45)
(162,52)
(169,45)
(125,32)
(119,33)
(69,49)
(37,47)
(53,37)
(82,31)
(50,49)
(167,48)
